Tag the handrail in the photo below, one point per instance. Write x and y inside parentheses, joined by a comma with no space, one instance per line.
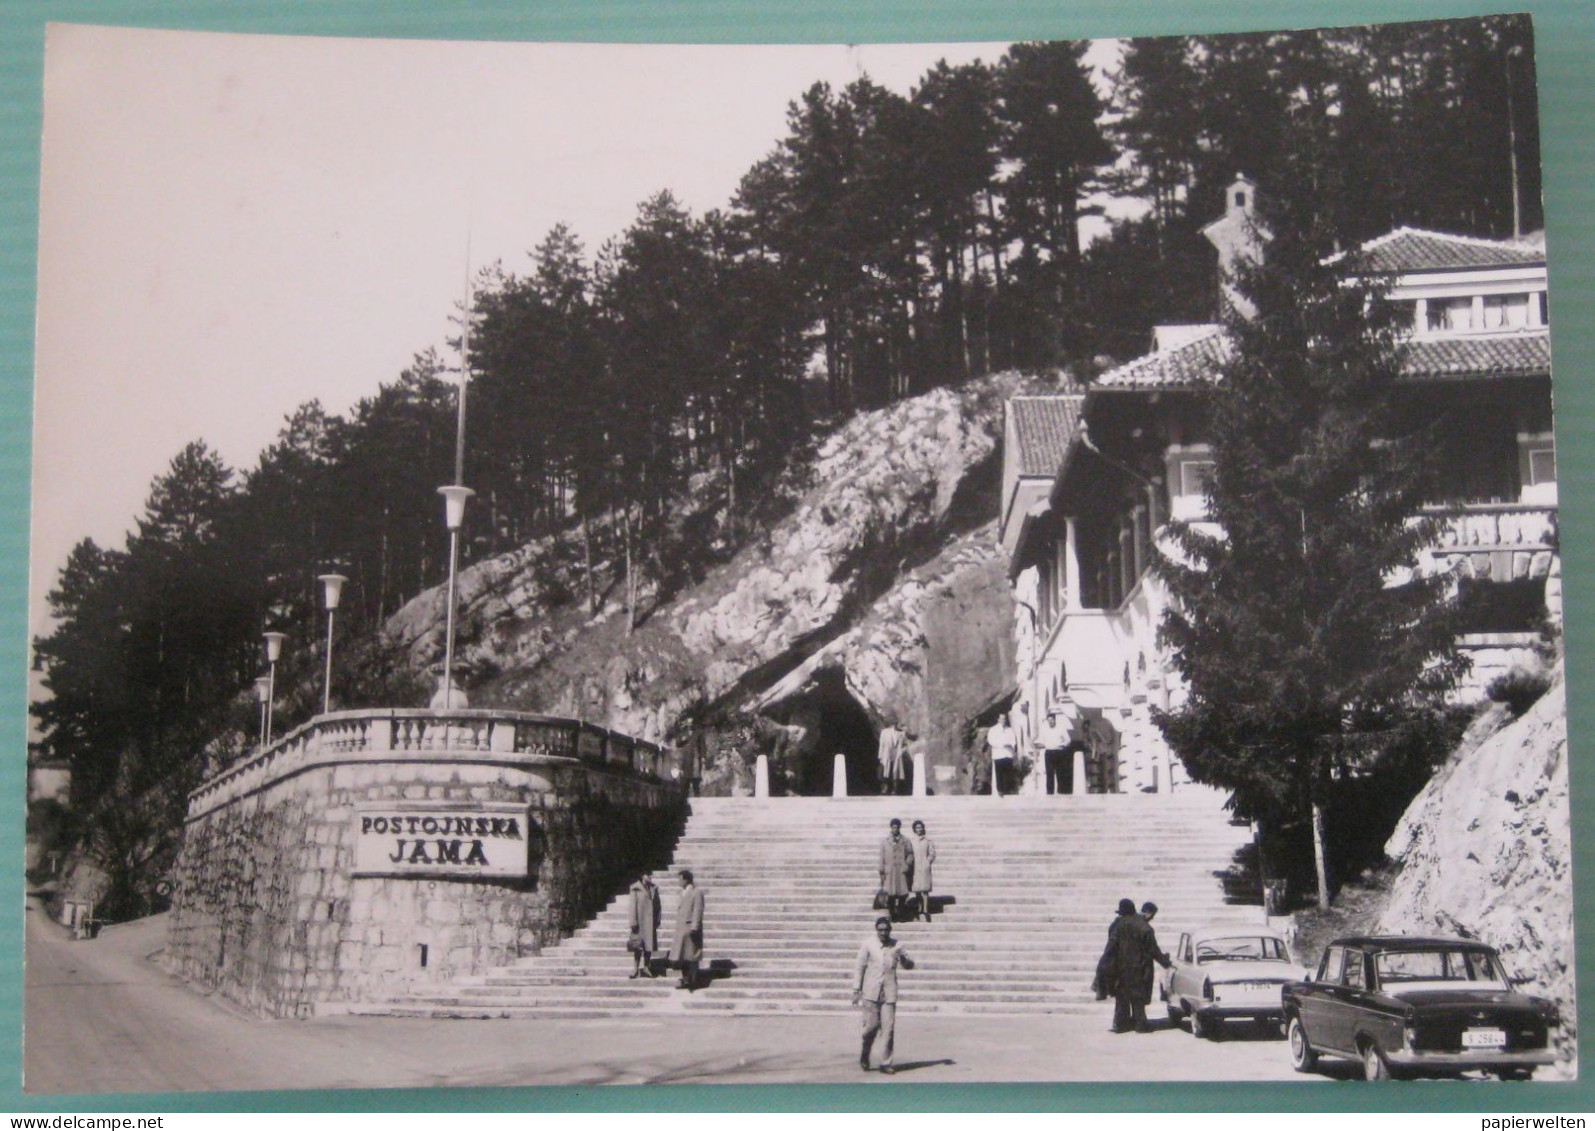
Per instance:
(410,732)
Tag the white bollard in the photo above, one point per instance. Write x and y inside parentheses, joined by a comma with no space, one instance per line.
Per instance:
(839,776)
(761,776)
(920,788)
(1077,783)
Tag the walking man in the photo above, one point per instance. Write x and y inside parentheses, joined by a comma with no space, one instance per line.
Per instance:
(897,861)
(875,987)
(688,949)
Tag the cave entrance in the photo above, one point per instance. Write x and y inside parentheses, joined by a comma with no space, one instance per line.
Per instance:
(833,723)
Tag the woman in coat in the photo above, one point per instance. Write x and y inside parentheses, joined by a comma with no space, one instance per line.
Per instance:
(924,850)
(644,938)
(688,949)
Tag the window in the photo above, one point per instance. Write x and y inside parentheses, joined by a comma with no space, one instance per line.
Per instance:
(1194,474)
(1394,967)
(1506,312)
(1329,968)
(1354,969)
(1450,314)
(1542,465)
(1240,200)
(1241,948)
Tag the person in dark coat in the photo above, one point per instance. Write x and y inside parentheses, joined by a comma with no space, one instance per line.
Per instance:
(896,865)
(1127,962)
(644,937)
(688,949)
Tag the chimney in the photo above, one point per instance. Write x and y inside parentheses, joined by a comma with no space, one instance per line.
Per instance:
(1235,236)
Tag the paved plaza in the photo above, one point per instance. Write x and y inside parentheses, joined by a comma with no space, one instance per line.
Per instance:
(102,1018)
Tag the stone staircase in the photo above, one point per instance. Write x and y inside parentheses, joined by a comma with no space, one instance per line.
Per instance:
(1025,888)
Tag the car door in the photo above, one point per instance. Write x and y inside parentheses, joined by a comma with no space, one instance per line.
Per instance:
(1180,977)
(1318,1003)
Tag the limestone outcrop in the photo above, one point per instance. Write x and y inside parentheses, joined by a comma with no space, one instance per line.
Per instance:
(1486,852)
(881,583)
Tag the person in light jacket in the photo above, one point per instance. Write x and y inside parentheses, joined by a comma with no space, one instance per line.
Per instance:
(924,850)
(875,987)
(688,949)
(896,864)
(644,938)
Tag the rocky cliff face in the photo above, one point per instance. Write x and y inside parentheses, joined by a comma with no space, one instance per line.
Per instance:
(879,597)
(1486,852)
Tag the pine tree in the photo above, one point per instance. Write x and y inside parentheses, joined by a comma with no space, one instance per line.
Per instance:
(1299,626)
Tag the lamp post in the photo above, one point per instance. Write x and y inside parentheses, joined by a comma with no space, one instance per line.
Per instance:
(331,590)
(273,654)
(263,694)
(454,516)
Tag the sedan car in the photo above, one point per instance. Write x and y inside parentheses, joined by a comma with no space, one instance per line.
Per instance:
(1417,1006)
(1221,974)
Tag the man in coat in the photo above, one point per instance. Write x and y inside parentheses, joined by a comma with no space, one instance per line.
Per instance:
(890,753)
(644,938)
(1127,964)
(875,987)
(688,949)
(896,863)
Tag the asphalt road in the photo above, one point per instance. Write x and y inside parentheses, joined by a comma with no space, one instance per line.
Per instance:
(101,1017)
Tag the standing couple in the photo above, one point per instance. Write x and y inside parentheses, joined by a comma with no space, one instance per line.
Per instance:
(1125,969)
(905,871)
(687,952)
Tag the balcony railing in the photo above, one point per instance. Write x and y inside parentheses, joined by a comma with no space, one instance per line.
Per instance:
(422,735)
(1487,526)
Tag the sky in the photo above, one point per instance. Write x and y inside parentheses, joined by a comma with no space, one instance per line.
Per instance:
(231,225)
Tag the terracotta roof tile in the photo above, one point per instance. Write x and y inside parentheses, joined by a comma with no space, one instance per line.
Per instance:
(1525,354)
(1043,426)
(1413,249)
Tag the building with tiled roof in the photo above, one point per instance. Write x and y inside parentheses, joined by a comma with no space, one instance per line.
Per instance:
(1476,369)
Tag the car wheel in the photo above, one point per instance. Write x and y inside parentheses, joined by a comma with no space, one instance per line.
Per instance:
(1303,1057)
(1374,1066)
(1199,1028)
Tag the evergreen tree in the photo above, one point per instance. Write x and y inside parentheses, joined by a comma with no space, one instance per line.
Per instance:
(1299,626)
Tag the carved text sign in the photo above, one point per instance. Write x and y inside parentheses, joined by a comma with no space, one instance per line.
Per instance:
(409,839)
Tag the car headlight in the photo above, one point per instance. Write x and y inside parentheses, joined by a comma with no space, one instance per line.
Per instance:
(1409,1039)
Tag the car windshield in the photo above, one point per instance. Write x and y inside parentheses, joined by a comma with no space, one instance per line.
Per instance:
(1439,965)
(1241,948)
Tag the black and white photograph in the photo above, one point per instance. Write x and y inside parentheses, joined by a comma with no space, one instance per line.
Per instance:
(887,564)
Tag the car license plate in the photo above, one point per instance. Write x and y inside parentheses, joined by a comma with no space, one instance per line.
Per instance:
(1483,1039)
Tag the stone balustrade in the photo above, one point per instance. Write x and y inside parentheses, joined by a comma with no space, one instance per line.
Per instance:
(389,735)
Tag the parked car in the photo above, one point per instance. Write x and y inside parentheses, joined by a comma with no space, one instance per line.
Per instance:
(1221,974)
(1417,1006)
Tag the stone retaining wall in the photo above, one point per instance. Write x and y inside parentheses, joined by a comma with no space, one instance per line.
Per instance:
(271,910)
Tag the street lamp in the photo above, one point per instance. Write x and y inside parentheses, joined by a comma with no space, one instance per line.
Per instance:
(263,694)
(454,517)
(331,590)
(273,654)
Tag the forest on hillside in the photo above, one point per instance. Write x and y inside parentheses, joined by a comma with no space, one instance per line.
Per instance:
(886,245)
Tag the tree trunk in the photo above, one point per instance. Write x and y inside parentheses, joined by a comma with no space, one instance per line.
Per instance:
(587,566)
(631,575)
(1319,864)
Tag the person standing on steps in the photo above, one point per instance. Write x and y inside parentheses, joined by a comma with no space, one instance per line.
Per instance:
(688,949)
(891,756)
(875,987)
(1054,743)
(924,850)
(896,863)
(644,937)
(1003,743)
